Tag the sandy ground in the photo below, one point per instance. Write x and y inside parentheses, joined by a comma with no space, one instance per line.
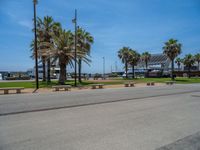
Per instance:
(49,90)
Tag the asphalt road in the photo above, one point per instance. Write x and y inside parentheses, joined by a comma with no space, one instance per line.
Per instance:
(11,104)
(111,119)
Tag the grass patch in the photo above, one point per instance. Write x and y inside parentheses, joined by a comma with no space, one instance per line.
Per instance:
(114,81)
(28,84)
(179,80)
(187,80)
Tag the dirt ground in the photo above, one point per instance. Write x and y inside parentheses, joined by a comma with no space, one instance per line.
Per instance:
(49,90)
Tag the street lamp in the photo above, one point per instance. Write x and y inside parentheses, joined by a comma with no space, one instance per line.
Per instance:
(75,41)
(35,45)
(103,67)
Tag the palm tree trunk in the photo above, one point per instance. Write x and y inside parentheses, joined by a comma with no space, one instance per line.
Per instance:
(147,73)
(48,70)
(62,77)
(133,71)
(198,66)
(172,72)
(79,70)
(126,69)
(44,69)
(146,65)
(189,72)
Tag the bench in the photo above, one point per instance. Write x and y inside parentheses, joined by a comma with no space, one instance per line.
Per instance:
(170,82)
(94,86)
(150,83)
(17,89)
(129,84)
(80,87)
(65,87)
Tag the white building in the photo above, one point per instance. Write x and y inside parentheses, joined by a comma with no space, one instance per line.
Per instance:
(1,78)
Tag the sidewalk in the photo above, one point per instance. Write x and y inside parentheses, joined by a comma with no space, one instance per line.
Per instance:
(50,90)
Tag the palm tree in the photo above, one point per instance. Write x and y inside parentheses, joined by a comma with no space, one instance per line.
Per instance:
(197,58)
(46,29)
(178,61)
(133,59)
(146,56)
(63,52)
(172,49)
(41,55)
(84,41)
(189,61)
(124,54)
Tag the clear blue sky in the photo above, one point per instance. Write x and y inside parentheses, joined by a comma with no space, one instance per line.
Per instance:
(143,25)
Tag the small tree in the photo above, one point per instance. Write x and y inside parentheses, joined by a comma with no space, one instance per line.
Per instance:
(189,61)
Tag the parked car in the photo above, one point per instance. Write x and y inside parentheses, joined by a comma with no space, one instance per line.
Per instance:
(166,74)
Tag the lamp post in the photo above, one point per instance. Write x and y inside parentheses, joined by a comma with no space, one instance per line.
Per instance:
(116,69)
(103,67)
(35,45)
(75,48)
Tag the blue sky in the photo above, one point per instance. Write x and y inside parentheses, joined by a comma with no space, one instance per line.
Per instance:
(143,25)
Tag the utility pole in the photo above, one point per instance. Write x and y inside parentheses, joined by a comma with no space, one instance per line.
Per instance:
(75,48)
(35,45)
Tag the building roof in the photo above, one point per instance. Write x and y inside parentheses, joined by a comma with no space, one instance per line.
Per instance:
(157,59)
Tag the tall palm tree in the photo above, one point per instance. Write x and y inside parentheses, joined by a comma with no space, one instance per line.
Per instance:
(178,61)
(189,61)
(84,42)
(124,54)
(146,56)
(46,28)
(197,58)
(133,59)
(172,49)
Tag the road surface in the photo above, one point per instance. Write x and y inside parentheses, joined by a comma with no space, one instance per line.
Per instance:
(110,119)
